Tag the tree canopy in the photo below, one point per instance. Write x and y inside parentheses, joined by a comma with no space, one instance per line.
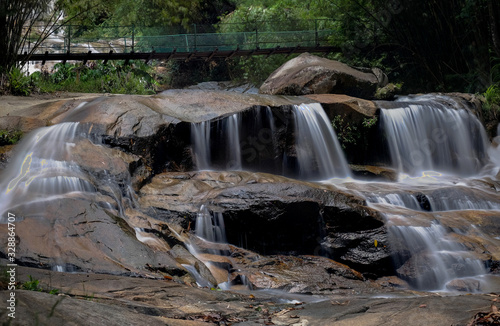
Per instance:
(448,45)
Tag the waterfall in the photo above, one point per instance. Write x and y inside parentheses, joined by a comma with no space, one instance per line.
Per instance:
(210,241)
(226,136)
(209,226)
(200,135)
(317,146)
(250,140)
(42,169)
(233,142)
(437,201)
(437,259)
(428,135)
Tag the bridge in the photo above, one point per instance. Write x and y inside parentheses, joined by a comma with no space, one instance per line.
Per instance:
(199,42)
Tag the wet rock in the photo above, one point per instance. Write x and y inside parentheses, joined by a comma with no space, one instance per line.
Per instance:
(22,124)
(302,274)
(309,74)
(118,300)
(182,256)
(276,215)
(368,172)
(464,285)
(78,235)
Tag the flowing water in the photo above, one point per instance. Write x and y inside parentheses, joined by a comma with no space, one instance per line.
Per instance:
(318,152)
(43,169)
(423,134)
(427,135)
(317,145)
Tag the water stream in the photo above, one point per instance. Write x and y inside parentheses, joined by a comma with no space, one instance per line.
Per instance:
(423,135)
(426,134)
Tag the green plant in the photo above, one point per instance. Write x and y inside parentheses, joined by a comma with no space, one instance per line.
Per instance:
(347,133)
(492,99)
(34,285)
(31,285)
(10,137)
(19,83)
(369,122)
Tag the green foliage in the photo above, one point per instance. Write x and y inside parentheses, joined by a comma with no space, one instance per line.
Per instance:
(18,82)
(369,122)
(388,91)
(34,285)
(96,77)
(492,97)
(10,137)
(31,285)
(347,132)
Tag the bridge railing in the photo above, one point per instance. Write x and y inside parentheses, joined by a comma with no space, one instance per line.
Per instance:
(196,38)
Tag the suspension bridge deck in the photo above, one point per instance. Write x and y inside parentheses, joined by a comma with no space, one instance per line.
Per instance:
(70,43)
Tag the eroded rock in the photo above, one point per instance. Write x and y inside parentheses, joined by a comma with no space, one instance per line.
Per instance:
(309,74)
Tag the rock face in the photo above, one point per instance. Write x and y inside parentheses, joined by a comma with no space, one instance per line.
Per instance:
(139,217)
(116,300)
(309,74)
(276,215)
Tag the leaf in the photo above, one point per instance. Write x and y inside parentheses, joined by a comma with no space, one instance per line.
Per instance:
(375,243)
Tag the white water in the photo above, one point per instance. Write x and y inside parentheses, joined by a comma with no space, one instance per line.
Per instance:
(427,135)
(316,143)
(43,168)
(219,144)
(200,135)
(438,258)
(449,201)
(233,142)
(210,227)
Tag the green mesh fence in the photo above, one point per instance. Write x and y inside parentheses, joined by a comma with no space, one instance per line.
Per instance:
(201,38)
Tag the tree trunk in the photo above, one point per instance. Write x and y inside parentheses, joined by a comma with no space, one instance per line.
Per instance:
(494,13)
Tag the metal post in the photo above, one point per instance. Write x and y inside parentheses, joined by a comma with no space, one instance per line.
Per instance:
(194,25)
(316,32)
(133,34)
(69,38)
(256,37)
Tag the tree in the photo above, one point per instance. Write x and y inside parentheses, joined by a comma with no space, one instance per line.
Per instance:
(19,18)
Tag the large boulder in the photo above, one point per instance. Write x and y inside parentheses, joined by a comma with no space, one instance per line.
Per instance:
(309,74)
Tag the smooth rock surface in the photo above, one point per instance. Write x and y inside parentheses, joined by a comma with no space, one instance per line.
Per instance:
(309,74)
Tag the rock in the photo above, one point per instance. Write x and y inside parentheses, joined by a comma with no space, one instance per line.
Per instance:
(18,123)
(276,215)
(77,235)
(182,256)
(302,274)
(354,109)
(374,172)
(464,285)
(116,300)
(309,74)
(387,92)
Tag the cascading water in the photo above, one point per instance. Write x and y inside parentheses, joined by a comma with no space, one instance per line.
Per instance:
(437,201)
(317,145)
(210,227)
(437,259)
(226,133)
(210,230)
(43,170)
(200,135)
(220,144)
(428,135)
